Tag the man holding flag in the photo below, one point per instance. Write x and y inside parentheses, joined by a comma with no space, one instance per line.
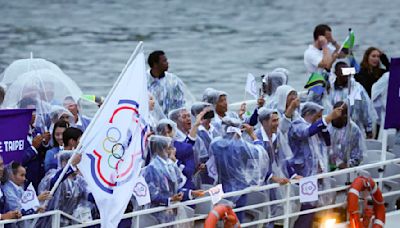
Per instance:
(113,143)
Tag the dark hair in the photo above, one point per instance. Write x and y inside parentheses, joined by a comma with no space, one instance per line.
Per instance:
(25,102)
(60,123)
(320,30)
(154,57)
(13,167)
(338,104)
(338,64)
(71,133)
(364,63)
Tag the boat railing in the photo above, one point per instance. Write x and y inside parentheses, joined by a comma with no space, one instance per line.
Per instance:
(287,200)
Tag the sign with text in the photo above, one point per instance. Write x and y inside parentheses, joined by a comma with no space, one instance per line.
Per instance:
(14,127)
(216,193)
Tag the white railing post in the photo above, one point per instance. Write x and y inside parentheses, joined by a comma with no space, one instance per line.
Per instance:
(383,155)
(56,220)
(287,208)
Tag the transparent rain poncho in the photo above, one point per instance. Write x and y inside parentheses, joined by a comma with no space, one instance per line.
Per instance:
(282,93)
(341,139)
(170,91)
(379,93)
(162,175)
(239,164)
(280,156)
(362,110)
(310,152)
(321,99)
(271,82)
(72,193)
(155,113)
(174,116)
(212,96)
(60,113)
(201,146)
(165,124)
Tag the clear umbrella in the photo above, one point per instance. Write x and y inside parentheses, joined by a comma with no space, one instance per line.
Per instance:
(21,66)
(46,87)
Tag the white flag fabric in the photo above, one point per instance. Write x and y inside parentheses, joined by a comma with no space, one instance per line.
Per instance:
(216,193)
(141,191)
(29,200)
(113,144)
(251,85)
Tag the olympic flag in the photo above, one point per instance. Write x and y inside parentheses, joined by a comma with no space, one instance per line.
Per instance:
(113,144)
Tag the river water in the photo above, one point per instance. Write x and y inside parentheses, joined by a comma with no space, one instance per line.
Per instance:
(209,43)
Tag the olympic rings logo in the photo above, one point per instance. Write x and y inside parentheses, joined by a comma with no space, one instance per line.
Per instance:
(115,156)
(112,145)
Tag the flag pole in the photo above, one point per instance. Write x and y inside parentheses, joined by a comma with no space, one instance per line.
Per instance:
(138,49)
(348,148)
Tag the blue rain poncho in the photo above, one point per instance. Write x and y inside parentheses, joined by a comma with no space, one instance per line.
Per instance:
(239,164)
(155,114)
(212,96)
(282,93)
(163,177)
(341,139)
(169,91)
(184,153)
(271,82)
(280,155)
(362,111)
(309,142)
(72,191)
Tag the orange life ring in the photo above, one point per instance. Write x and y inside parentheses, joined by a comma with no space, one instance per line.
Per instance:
(360,184)
(225,213)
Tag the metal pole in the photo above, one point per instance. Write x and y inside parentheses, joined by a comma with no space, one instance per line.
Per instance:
(383,155)
(287,208)
(348,140)
(56,220)
(138,49)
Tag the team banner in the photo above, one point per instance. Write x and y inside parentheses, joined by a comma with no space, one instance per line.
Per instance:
(14,127)
(114,142)
(392,119)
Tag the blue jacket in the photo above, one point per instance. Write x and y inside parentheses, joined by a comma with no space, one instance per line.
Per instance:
(33,161)
(84,122)
(13,195)
(303,139)
(163,183)
(50,160)
(185,156)
(277,155)
(235,160)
